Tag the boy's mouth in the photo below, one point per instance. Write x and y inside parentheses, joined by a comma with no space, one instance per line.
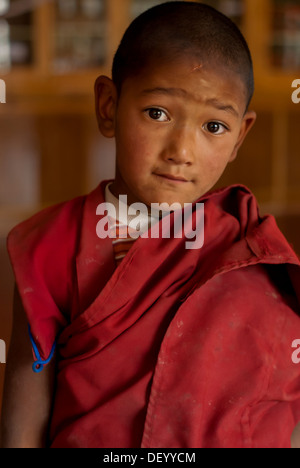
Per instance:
(175,179)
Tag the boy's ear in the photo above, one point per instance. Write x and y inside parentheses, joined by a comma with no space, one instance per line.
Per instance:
(106,102)
(247,123)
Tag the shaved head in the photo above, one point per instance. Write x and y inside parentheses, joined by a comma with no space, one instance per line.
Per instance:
(173,30)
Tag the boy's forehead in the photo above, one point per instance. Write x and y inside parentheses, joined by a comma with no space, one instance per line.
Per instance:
(190,78)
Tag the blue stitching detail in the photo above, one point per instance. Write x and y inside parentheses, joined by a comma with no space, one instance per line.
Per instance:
(39,364)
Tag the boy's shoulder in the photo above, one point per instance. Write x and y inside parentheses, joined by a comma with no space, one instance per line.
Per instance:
(56,221)
(42,251)
(261,232)
(59,215)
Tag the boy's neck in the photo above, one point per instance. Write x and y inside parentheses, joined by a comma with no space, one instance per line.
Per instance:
(122,210)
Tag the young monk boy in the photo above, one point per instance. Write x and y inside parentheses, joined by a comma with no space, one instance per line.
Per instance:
(146,342)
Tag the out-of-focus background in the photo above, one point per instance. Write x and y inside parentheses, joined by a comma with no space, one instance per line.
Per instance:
(51,52)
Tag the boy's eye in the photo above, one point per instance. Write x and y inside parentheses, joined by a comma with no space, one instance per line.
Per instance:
(157,114)
(215,128)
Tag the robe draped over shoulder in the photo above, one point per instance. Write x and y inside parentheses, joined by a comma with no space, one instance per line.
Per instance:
(175,347)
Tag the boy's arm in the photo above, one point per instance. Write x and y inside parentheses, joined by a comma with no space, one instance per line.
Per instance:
(27,398)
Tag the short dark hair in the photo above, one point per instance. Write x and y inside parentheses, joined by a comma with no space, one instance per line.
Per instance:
(175,28)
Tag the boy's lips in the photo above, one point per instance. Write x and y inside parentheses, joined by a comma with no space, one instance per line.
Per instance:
(172,177)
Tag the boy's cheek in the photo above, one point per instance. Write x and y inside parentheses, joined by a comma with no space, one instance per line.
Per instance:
(218,156)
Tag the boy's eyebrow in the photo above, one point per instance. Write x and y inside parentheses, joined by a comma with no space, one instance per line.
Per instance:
(172,91)
(222,106)
(183,93)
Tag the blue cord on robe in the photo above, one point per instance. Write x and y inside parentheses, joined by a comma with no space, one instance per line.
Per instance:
(39,363)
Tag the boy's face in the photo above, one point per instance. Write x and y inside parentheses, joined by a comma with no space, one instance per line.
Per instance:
(177,126)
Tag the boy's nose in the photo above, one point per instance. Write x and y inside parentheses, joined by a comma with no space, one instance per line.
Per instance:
(180,148)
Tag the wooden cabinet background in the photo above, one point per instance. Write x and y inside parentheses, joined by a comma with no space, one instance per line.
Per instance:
(51,150)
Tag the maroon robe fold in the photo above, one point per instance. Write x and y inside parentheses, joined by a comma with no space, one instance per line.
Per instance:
(174,348)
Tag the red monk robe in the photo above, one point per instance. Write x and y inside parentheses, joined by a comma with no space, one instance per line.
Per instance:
(175,348)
